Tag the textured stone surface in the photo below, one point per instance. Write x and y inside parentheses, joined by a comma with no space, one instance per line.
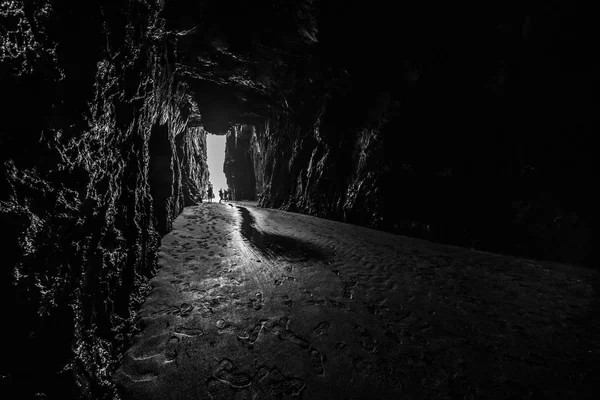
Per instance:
(97,160)
(192,153)
(243,166)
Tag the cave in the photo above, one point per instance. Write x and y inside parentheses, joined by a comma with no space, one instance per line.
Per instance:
(456,138)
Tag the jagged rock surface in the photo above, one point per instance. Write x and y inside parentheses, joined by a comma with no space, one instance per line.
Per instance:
(192,153)
(98,159)
(243,163)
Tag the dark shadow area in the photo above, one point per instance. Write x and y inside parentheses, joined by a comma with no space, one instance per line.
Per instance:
(273,245)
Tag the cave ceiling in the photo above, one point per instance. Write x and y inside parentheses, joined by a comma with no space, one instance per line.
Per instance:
(241,60)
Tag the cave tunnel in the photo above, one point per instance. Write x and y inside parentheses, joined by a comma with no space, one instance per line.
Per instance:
(429,142)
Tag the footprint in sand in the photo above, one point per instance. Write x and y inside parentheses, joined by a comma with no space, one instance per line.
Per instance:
(256,303)
(336,303)
(189,331)
(284,322)
(342,347)
(226,374)
(218,390)
(165,309)
(287,301)
(348,291)
(322,328)
(276,384)
(222,325)
(317,360)
(362,366)
(172,348)
(290,336)
(249,337)
(375,308)
(147,348)
(233,281)
(185,309)
(315,302)
(365,339)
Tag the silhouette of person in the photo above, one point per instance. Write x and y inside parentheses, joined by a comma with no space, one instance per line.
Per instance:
(226,194)
(210,192)
(220,195)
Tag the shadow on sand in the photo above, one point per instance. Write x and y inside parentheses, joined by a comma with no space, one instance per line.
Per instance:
(273,245)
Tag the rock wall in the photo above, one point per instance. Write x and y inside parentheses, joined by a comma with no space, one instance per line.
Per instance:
(243,162)
(99,154)
(192,153)
(462,130)
(256,155)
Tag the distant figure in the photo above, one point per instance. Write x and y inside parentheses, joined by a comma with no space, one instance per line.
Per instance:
(220,195)
(210,192)
(226,194)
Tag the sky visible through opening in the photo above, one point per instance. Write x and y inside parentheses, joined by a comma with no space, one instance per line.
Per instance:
(215,154)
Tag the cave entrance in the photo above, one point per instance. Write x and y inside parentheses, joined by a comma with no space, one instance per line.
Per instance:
(215,149)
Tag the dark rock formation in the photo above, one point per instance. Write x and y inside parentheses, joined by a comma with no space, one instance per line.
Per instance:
(243,165)
(99,154)
(192,154)
(419,96)
(342,111)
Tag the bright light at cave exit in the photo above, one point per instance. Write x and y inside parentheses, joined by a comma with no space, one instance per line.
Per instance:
(216,157)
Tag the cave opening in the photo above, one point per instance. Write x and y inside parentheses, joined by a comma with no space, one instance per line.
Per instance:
(215,156)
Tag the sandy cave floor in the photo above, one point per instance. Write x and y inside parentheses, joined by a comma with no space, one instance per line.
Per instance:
(254,303)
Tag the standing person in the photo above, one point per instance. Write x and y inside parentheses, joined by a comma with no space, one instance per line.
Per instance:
(210,192)
(220,195)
